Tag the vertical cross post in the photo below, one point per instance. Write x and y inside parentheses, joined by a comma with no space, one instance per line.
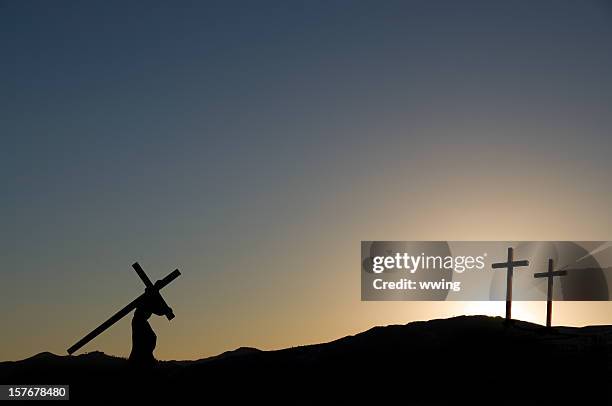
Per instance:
(509,266)
(549,294)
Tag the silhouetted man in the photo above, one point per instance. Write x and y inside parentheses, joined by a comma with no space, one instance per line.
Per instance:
(143,336)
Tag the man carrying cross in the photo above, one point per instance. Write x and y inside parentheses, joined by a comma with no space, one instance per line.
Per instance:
(509,265)
(143,336)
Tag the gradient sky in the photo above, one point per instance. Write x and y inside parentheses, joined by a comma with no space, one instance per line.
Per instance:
(253,145)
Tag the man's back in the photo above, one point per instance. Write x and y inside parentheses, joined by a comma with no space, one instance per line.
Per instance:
(143,339)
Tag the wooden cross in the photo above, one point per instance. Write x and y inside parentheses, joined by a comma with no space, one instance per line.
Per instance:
(549,296)
(151,289)
(509,266)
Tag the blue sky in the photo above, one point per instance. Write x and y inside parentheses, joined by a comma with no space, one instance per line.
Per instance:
(254,144)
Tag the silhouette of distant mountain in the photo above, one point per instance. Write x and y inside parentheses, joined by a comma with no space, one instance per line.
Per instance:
(468,358)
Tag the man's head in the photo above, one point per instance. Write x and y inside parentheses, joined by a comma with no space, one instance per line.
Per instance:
(153,303)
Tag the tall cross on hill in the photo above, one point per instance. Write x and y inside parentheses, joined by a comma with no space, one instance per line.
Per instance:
(550,275)
(509,265)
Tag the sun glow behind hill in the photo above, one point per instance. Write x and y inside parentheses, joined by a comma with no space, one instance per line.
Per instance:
(526,311)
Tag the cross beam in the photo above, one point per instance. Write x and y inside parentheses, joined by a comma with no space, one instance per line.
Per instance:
(549,296)
(153,289)
(509,265)
(145,279)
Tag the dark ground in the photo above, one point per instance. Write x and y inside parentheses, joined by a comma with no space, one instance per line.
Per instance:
(468,359)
